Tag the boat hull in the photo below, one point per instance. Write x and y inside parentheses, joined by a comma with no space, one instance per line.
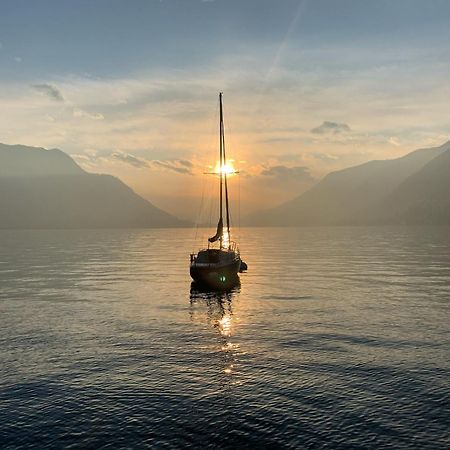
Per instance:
(216,276)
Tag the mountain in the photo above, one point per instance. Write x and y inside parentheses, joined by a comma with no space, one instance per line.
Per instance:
(46,189)
(372,193)
(22,161)
(424,197)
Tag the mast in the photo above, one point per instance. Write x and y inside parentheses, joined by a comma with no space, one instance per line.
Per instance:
(225,174)
(223,180)
(221,163)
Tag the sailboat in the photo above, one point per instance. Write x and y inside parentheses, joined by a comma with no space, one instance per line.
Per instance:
(218,265)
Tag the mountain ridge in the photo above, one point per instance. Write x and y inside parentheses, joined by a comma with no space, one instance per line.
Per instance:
(19,161)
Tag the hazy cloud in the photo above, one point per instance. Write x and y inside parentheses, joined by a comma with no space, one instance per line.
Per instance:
(77,112)
(130,159)
(182,166)
(279,139)
(50,91)
(297,173)
(174,165)
(331,128)
(324,156)
(185,162)
(394,141)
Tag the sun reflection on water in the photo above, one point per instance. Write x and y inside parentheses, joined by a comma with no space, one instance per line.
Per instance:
(225,239)
(219,315)
(224,325)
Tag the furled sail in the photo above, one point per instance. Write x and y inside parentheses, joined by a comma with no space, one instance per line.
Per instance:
(219,232)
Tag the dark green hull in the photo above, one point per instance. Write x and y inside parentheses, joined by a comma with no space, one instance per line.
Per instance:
(216,276)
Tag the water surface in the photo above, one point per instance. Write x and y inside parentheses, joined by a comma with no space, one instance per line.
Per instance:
(336,338)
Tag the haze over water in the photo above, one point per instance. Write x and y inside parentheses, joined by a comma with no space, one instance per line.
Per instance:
(336,338)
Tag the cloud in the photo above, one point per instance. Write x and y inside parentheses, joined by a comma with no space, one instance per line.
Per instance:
(174,165)
(130,159)
(331,128)
(50,91)
(53,93)
(279,139)
(324,156)
(186,163)
(182,166)
(394,141)
(297,173)
(77,112)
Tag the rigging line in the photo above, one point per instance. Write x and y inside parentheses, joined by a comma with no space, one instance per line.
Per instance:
(200,209)
(231,217)
(210,199)
(212,205)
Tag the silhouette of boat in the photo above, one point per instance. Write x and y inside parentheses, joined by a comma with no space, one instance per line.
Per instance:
(218,267)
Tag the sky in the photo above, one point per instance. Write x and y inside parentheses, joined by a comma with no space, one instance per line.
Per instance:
(130,88)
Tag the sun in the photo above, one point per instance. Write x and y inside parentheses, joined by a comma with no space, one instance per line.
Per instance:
(226,169)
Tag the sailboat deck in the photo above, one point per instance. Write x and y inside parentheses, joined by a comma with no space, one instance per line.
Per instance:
(214,257)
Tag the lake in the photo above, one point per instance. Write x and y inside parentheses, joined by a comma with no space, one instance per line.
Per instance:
(336,338)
